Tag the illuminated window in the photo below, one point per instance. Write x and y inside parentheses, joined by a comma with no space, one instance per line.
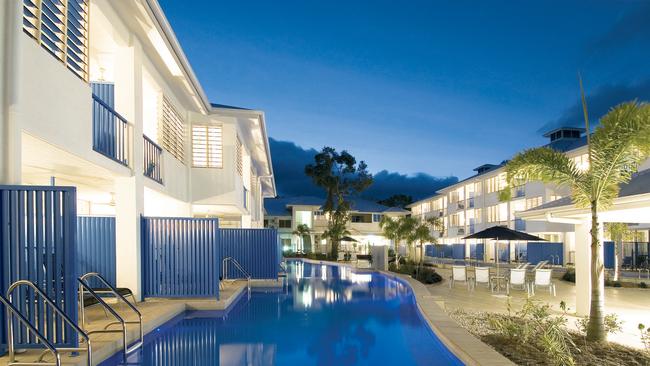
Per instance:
(497,213)
(495,183)
(533,202)
(172,132)
(61,27)
(582,162)
(207,147)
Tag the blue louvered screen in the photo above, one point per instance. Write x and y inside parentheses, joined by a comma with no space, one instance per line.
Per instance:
(38,235)
(458,251)
(477,251)
(96,247)
(545,251)
(255,249)
(180,257)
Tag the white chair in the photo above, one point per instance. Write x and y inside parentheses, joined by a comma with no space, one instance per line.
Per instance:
(482,276)
(517,280)
(543,279)
(459,274)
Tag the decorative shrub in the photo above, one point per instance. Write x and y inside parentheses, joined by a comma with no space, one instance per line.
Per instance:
(570,276)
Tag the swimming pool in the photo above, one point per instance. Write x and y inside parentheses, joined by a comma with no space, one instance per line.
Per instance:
(326,315)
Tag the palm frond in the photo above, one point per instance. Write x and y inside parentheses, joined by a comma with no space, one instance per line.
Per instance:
(619,145)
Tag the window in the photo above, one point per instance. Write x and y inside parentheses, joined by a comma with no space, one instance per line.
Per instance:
(376,217)
(581,162)
(426,207)
(284,224)
(172,132)
(239,158)
(61,27)
(554,198)
(495,183)
(266,223)
(207,147)
(493,213)
(533,202)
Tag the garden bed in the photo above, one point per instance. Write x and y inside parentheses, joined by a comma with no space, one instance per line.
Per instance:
(481,325)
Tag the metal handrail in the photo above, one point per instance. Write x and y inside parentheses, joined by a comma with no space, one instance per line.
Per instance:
(238,266)
(12,311)
(84,286)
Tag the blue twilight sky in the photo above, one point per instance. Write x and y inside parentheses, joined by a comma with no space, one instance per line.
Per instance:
(437,87)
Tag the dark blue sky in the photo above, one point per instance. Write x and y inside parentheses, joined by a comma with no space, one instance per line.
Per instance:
(416,86)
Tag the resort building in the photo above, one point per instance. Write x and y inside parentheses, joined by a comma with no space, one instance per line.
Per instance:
(99,95)
(476,203)
(286,214)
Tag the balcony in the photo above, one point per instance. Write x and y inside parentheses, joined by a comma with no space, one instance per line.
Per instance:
(520,225)
(110,132)
(152,160)
(470,202)
(518,192)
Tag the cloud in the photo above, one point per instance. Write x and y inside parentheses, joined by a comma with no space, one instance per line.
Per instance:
(632,26)
(289,162)
(599,103)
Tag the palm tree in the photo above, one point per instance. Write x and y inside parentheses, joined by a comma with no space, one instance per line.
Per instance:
(301,231)
(390,230)
(616,148)
(618,232)
(406,227)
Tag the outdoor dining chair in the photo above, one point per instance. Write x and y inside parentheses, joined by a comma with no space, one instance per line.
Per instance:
(543,279)
(459,274)
(482,276)
(517,280)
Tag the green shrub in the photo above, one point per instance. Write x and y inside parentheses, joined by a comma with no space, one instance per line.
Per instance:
(570,276)
(612,324)
(533,324)
(645,336)
(426,275)
(643,285)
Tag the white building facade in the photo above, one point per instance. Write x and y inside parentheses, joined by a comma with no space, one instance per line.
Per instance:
(286,214)
(99,95)
(476,203)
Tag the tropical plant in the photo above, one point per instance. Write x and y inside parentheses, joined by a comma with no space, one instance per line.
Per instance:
(340,176)
(645,336)
(618,232)
(616,148)
(613,324)
(534,324)
(390,229)
(301,231)
(407,225)
(397,200)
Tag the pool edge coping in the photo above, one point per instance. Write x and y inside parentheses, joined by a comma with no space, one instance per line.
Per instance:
(469,349)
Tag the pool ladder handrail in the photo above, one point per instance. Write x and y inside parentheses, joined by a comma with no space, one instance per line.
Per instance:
(239,267)
(84,286)
(51,348)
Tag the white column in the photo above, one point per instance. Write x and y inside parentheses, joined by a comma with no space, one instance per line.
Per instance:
(569,246)
(11,13)
(129,191)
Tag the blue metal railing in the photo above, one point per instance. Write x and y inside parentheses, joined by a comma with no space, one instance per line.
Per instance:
(110,132)
(152,160)
(519,191)
(520,225)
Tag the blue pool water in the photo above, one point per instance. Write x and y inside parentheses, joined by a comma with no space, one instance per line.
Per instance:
(326,315)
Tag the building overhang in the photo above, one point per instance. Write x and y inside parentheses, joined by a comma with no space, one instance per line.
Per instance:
(627,209)
(253,130)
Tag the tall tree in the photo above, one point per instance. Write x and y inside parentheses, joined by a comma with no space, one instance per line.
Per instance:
(616,148)
(390,229)
(341,177)
(397,200)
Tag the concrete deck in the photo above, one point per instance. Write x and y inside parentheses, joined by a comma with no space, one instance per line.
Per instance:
(630,304)
(155,312)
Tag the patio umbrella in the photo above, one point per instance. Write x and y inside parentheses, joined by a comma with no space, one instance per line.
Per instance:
(502,233)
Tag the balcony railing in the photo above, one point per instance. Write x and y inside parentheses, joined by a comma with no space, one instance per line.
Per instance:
(519,191)
(152,160)
(110,132)
(520,225)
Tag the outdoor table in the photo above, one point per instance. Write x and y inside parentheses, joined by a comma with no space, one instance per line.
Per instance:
(500,282)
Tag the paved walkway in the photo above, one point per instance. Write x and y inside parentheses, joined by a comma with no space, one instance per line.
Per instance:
(631,305)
